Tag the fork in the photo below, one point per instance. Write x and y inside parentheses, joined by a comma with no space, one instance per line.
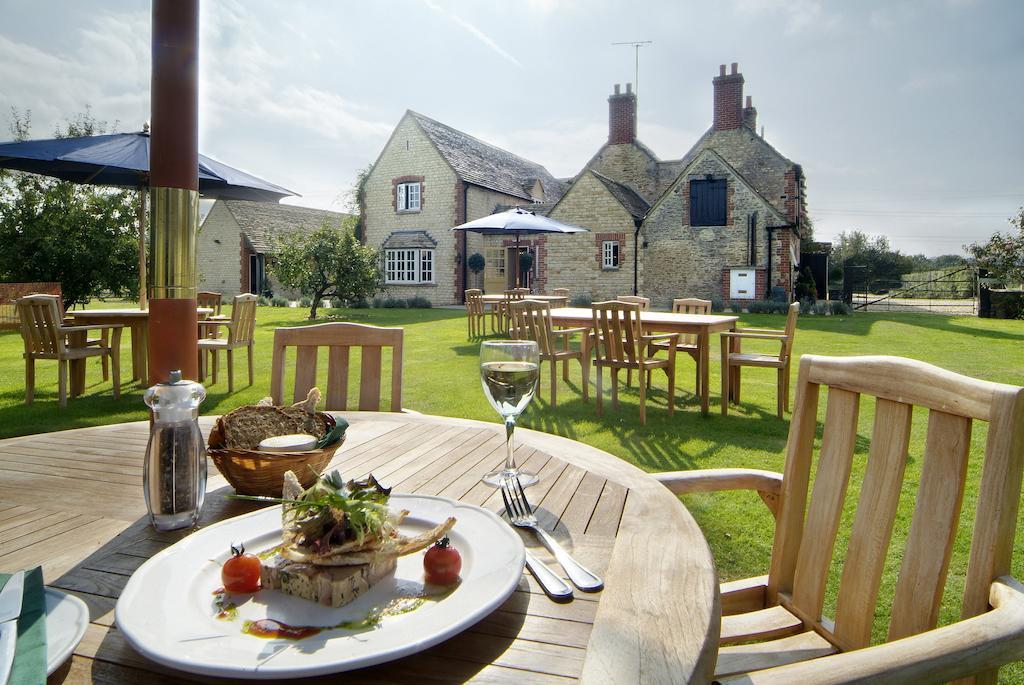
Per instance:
(521,515)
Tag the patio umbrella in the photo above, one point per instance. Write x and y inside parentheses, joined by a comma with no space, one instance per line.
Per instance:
(517,221)
(122,159)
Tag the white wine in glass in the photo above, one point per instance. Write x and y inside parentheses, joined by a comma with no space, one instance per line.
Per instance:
(509,370)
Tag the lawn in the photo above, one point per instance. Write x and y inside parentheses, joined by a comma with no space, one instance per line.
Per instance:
(441,378)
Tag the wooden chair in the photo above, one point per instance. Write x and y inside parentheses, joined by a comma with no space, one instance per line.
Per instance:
(241,327)
(209,300)
(476,313)
(619,342)
(784,608)
(500,312)
(45,337)
(531,320)
(733,359)
(338,338)
(688,342)
(644,302)
(561,292)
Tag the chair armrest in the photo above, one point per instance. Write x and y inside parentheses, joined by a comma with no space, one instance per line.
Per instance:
(208,322)
(570,331)
(974,645)
(90,327)
(714,480)
(659,336)
(768,331)
(759,336)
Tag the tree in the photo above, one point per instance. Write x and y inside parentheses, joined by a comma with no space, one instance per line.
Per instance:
(1003,255)
(329,262)
(79,235)
(885,265)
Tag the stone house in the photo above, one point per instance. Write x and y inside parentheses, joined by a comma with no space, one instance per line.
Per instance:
(236,239)
(722,222)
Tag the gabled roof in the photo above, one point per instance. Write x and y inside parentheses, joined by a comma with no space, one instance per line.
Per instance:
(485,165)
(627,197)
(262,222)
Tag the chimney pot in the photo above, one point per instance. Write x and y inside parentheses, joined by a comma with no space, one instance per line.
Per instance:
(721,70)
(629,88)
(616,88)
(735,66)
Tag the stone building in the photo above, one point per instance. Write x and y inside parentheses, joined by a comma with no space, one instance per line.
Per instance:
(237,238)
(722,222)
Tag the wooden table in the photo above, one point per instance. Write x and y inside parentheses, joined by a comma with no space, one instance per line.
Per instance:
(701,325)
(135,319)
(72,502)
(555,300)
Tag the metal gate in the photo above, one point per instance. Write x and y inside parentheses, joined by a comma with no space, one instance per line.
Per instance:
(952,292)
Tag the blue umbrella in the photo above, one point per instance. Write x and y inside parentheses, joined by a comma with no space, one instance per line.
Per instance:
(122,159)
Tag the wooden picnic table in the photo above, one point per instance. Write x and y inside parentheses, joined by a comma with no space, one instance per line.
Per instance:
(555,300)
(72,502)
(701,325)
(137,320)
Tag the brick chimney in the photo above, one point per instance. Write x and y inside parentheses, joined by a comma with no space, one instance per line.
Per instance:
(728,99)
(622,116)
(750,115)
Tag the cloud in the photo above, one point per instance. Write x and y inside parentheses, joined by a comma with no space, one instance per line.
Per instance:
(799,15)
(473,31)
(934,80)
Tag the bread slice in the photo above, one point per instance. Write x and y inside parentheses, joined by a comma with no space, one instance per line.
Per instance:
(332,586)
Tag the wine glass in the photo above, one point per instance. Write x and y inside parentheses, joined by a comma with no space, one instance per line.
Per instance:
(509,370)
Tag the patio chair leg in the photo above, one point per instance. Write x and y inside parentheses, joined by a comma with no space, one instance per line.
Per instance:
(216,358)
(615,388)
(671,373)
(62,383)
(30,380)
(643,398)
(249,347)
(104,360)
(726,385)
(565,370)
(554,382)
(585,370)
(600,406)
(231,370)
(114,352)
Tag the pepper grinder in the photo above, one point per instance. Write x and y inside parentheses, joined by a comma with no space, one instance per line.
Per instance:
(174,473)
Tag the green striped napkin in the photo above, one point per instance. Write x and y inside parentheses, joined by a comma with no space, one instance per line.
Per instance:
(30,652)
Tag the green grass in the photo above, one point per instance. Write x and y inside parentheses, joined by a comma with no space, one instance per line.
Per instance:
(441,378)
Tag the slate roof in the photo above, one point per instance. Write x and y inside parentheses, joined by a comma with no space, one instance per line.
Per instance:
(627,197)
(262,222)
(409,240)
(485,165)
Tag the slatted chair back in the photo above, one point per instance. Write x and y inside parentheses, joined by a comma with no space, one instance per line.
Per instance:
(690,305)
(791,316)
(617,328)
(474,302)
(560,292)
(209,300)
(644,302)
(809,518)
(339,339)
(40,318)
(531,320)
(243,318)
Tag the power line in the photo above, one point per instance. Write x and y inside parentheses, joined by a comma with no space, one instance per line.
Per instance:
(911,213)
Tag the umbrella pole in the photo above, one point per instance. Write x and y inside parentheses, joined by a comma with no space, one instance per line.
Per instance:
(516,266)
(143,302)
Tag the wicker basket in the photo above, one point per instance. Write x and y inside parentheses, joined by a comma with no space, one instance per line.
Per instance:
(257,472)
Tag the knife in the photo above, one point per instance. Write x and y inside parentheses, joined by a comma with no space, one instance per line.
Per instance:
(555,587)
(10,609)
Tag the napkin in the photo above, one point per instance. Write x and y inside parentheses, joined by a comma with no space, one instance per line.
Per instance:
(30,651)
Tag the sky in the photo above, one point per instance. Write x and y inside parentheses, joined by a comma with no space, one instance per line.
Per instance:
(906,116)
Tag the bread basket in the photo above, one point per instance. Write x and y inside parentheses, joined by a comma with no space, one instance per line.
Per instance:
(258,472)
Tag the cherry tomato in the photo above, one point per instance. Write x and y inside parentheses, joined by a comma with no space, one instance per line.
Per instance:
(241,573)
(442,563)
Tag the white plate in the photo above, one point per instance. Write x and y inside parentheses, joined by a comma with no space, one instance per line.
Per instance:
(166,610)
(67,617)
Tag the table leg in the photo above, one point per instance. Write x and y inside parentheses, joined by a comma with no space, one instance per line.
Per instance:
(734,373)
(136,344)
(77,370)
(144,351)
(703,343)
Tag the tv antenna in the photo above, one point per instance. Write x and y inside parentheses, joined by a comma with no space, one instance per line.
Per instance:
(637,44)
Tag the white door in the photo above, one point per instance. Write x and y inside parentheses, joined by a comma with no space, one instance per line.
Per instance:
(741,284)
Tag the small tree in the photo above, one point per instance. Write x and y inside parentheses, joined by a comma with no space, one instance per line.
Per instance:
(329,262)
(476,262)
(1003,255)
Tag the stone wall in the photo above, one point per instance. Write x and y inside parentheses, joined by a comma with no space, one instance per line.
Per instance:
(573,261)
(218,254)
(631,165)
(409,153)
(690,261)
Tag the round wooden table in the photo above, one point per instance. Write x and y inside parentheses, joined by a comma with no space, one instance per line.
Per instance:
(72,502)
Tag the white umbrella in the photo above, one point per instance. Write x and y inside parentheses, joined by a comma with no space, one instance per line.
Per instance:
(517,221)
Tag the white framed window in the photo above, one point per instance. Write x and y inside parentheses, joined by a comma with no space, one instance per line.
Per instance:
(408,266)
(408,197)
(610,254)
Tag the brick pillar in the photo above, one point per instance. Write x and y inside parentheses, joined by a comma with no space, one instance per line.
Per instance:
(622,116)
(728,99)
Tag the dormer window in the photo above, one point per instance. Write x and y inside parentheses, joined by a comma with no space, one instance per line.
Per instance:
(407,197)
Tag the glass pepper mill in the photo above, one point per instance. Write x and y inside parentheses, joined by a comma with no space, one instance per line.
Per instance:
(174,474)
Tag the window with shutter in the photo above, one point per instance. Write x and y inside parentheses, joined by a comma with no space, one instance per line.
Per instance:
(408,197)
(707,202)
(400,200)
